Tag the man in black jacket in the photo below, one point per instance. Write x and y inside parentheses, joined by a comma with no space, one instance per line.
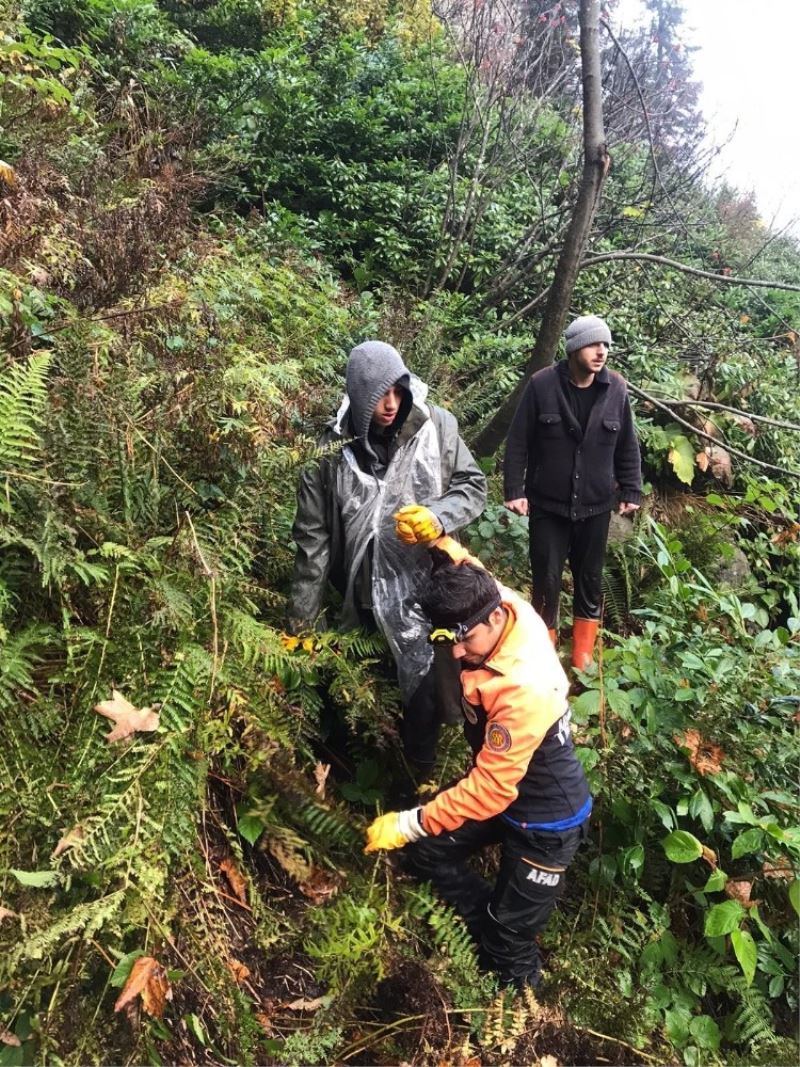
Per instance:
(571,453)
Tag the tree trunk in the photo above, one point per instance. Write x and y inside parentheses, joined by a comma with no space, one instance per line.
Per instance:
(595,167)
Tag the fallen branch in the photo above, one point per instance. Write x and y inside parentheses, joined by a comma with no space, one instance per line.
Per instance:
(707,436)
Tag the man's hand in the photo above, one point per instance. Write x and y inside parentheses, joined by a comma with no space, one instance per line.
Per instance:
(626,508)
(417,525)
(394,829)
(518,506)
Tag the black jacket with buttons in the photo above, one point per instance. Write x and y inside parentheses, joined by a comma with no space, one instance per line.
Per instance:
(563,469)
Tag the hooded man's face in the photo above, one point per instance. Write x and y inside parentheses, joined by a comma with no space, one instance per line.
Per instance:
(387,408)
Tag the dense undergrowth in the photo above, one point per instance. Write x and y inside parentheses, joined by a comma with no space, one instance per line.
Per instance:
(202,208)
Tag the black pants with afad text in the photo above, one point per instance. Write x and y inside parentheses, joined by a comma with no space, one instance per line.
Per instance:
(553,540)
(504,918)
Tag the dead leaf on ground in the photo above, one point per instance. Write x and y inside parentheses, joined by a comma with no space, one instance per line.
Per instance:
(320,886)
(705,757)
(309,1005)
(548,1061)
(264,1021)
(73,837)
(7,913)
(238,969)
(148,979)
(321,772)
(701,459)
(9,1039)
(782,870)
(235,879)
(127,718)
(739,889)
(787,535)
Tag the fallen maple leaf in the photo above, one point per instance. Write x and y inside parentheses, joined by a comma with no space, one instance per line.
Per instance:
(705,757)
(319,886)
(148,979)
(321,772)
(239,971)
(739,889)
(72,837)
(9,1039)
(7,913)
(127,718)
(235,880)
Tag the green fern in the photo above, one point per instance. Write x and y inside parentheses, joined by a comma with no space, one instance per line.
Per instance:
(23,397)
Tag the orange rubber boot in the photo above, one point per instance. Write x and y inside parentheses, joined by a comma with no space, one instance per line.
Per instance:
(584,634)
(552,634)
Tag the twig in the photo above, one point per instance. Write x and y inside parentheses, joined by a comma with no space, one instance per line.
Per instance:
(616,1041)
(363,1043)
(212,602)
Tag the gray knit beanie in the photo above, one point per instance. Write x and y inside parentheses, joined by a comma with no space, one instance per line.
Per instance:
(372,369)
(587,330)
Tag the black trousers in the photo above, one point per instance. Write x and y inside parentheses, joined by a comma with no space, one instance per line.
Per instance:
(553,540)
(436,701)
(504,918)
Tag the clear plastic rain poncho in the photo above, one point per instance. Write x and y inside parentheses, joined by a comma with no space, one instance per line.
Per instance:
(399,571)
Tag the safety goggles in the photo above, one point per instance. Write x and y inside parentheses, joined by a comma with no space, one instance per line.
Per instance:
(452,635)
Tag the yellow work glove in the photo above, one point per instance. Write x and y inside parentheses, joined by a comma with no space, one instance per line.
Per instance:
(417,525)
(394,829)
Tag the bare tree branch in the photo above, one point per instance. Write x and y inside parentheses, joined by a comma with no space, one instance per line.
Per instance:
(726,279)
(736,411)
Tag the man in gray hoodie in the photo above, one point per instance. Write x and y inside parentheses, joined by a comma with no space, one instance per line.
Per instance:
(386,449)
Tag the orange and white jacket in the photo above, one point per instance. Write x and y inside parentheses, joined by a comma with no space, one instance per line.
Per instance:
(517,720)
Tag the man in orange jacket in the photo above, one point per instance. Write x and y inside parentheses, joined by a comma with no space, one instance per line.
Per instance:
(526,790)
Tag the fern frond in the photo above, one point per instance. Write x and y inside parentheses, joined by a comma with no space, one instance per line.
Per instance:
(23,396)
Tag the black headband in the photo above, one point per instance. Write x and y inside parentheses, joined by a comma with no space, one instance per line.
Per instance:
(453,634)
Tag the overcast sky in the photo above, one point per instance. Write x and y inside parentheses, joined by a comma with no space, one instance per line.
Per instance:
(748,61)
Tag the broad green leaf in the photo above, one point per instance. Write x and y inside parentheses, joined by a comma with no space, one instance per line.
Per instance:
(676,1026)
(705,1031)
(250,827)
(723,918)
(745,948)
(747,842)
(633,858)
(794,895)
(700,808)
(37,879)
(664,813)
(669,947)
(586,705)
(651,956)
(682,847)
(716,881)
(681,457)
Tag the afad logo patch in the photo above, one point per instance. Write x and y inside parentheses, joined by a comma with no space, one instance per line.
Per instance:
(498,739)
